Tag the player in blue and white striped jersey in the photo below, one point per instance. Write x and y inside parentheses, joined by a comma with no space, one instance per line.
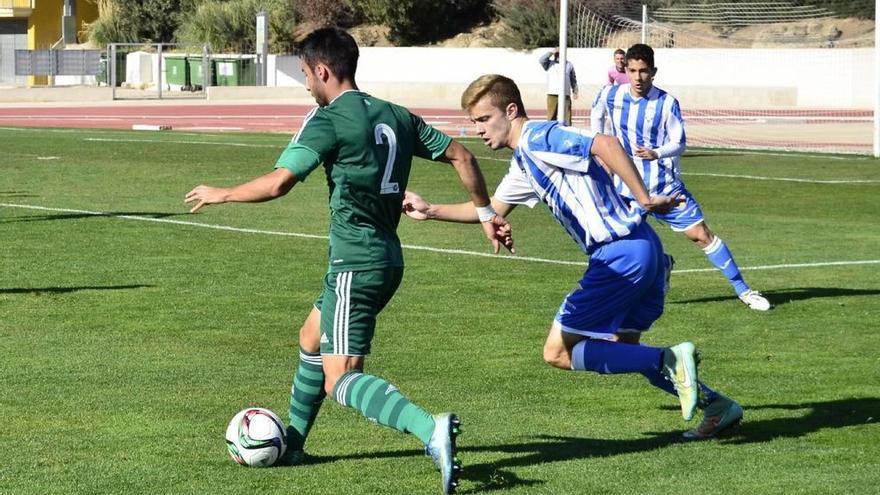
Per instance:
(649,125)
(622,291)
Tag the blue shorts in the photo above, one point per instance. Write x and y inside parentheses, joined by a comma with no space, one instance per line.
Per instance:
(685,216)
(622,289)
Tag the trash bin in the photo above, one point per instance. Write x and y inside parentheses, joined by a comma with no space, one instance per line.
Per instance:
(103,74)
(235,71)
(177,71)
(196,76)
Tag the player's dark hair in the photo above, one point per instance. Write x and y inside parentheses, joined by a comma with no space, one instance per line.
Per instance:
(619,51)
(333,47)
(641,52)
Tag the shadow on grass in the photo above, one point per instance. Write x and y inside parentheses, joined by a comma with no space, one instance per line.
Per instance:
(76,216)
(539,449)
(780,297)
(819,416)
(16,194)
(64,290)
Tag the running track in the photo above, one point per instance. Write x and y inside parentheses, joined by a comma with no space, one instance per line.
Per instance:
(287,119)
(201,117)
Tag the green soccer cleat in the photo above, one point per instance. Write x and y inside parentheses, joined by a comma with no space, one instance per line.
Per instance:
(292,457)
(441,448)
(680,367)
(720,414)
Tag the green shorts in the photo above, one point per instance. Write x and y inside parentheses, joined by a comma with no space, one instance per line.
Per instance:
(349,305)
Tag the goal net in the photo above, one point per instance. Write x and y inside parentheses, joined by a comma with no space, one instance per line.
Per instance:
(781,75)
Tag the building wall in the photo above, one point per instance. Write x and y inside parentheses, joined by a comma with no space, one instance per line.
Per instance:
(44,25)
(13,36)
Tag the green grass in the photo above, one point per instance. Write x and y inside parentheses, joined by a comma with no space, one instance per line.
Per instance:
(126,345)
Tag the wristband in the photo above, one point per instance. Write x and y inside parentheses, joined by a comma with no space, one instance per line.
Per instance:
(485,212)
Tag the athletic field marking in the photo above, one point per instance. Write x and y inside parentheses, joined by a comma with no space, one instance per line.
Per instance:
(750,177)
(785,179)
(788,265)
(214,143)
(732,153)
(411,246)
(729,176)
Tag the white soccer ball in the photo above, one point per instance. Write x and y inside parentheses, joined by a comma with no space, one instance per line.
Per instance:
(256,437)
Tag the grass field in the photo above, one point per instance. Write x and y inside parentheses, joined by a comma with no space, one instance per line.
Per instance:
(131,331)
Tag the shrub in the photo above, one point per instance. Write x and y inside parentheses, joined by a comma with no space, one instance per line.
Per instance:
(231,26)
(421,21)
(326,12)
(111,26)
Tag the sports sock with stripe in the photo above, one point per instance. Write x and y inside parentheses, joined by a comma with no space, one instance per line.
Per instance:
(381,402)
(306,396)
(720,256)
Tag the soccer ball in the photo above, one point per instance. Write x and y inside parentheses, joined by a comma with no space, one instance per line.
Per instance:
(255,437)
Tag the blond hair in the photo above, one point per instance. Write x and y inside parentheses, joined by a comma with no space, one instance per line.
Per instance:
(502,91)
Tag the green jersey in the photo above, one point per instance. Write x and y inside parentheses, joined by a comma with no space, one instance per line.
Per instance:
(366,146)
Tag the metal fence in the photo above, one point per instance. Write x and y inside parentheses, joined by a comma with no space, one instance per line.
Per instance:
(57,62)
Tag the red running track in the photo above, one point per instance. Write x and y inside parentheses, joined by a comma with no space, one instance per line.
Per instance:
(202,117)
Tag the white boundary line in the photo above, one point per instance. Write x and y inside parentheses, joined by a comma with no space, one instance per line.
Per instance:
(414,247)
(213,143)
(749,177)
(785,179)
(729,176)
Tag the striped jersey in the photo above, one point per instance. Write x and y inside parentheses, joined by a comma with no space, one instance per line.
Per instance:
(653,121)
(552,164)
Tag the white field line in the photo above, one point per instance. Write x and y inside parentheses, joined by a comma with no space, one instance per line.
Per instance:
(415,247)
(731,153)
(213,143)
(748,177)
(785,179)
(699,152)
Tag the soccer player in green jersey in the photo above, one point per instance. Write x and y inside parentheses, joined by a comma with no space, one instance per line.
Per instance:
(366,146)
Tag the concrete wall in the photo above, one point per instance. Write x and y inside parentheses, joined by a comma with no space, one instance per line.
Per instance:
(706,78)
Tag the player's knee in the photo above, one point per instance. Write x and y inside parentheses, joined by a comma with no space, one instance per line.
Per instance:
(308,342)
(557,357)
(701,236)
(330,384)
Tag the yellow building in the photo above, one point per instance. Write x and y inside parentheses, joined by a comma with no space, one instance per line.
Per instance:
(36,25)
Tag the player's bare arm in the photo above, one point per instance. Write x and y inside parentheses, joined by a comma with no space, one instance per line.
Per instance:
(264,188)
(495,227)
(415,207)
(612,154)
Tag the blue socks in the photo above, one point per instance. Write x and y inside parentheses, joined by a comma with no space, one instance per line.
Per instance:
(720,256)
(606,357)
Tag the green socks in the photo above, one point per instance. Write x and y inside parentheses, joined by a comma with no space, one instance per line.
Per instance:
(306,395)
(380,401)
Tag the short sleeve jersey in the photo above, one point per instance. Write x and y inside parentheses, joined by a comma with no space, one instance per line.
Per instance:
(552,164)
(366,146)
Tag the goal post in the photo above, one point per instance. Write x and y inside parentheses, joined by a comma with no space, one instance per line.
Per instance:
(777,75)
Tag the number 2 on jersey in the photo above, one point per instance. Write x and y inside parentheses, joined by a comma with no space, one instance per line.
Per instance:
(387,186)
